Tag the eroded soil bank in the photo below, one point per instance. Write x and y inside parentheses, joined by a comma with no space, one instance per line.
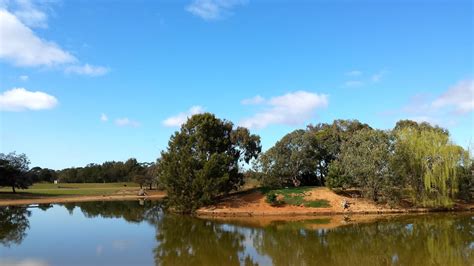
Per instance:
(253,203)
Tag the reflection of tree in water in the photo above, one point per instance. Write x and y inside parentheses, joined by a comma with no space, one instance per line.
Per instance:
(184,240)
(13,225)
(131,211)
(428,240)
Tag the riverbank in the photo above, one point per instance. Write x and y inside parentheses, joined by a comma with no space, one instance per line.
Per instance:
(44,193)
(154,195)
(254,203)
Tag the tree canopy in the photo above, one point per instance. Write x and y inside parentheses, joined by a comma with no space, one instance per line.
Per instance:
(14,171)
(202,161)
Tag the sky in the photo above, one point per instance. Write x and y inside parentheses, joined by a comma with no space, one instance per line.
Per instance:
(92,81)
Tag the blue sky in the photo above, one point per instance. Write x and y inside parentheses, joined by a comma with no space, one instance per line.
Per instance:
(90,81)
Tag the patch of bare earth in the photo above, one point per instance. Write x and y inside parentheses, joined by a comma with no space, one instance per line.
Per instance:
(253,203)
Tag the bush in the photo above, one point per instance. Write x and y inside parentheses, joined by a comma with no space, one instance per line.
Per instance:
(273,199)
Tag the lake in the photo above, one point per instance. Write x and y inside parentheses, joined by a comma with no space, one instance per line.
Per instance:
(139,233)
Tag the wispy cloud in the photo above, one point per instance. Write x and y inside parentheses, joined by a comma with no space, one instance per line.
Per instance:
(181,118)
(254,100)
(293,108)
(24,78)
(104,117)
(87,70)
(213,9)
(460,97)
(126,122)
(353,83)
(31,12)
(354,73)
(20,99)
(359,79)
(445,109)
(378,76)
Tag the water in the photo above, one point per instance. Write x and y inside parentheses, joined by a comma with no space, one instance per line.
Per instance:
(130,233)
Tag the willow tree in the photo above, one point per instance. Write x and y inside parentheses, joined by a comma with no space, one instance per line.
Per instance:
(428,162)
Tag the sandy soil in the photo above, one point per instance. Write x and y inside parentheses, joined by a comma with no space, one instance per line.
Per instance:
(253,204)
(121,195)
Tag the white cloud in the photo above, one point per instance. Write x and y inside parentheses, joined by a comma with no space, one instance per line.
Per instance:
(290,109)
(20,99)
(104,117)
(460,97)
(24,78)
(87,70)
(22,47)
(354,73)
(213,9)
(125,122)
(181,118)
(254,100)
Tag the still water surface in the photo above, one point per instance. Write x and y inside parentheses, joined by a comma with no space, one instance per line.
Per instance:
(133,233)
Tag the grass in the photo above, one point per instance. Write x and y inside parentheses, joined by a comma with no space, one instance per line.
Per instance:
(66,189)
(296,196)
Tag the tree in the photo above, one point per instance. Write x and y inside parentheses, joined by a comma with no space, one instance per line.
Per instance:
(327,140)
(365,162)
(429,163)
(202,161)
(303,156)
(14,171)
(289,162)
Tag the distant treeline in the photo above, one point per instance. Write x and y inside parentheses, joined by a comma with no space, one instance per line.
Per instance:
(15,173)
(111,171)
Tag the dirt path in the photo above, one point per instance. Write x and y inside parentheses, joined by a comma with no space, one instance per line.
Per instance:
(253,204)
(63,199)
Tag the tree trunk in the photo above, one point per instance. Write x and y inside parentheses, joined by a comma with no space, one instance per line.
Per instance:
(150,187)
(13,188)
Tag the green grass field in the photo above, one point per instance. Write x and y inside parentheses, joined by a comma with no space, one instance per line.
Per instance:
(66,189)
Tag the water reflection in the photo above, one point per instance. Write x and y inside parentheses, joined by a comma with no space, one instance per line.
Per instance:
(13,225)
(432,239)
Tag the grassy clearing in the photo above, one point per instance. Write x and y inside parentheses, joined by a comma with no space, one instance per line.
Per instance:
(66,189)
(294,196)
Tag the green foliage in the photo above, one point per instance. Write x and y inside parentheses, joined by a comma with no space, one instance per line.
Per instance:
(272,199)
(14,171)
(303,157)
(466,182)
(429,164)
(202,161)
(364,162)
(109,172)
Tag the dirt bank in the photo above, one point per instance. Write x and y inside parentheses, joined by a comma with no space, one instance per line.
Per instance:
(63,199)
(253,203)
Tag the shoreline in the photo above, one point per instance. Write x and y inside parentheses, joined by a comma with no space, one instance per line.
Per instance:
(68,199)
(315,213)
